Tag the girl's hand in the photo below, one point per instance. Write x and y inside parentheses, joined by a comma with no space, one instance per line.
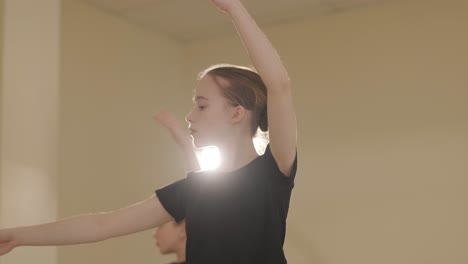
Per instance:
(181,136)
(225,5)
(6,243)
(178,133)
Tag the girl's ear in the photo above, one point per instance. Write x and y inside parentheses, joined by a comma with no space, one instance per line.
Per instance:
(238,114)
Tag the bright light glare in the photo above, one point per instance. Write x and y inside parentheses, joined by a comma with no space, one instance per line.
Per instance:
(209,158)
(260,145)
(260,141)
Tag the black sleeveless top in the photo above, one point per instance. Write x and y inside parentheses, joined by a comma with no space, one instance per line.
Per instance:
(236,217)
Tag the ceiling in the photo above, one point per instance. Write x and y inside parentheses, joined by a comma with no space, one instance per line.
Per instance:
(189,20)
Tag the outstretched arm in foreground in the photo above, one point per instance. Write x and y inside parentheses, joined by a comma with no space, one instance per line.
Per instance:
(87,228)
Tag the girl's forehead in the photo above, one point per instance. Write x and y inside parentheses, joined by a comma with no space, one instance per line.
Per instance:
(207,87)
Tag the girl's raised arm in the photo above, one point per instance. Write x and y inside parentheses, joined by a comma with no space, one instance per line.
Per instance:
(282,125)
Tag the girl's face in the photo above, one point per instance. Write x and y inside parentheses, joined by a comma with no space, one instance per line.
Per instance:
(169,236)
(210,118)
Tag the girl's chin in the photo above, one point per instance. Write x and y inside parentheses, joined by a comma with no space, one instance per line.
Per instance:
(200,143)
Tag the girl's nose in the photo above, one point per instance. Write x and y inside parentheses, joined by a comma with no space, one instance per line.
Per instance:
(188,117)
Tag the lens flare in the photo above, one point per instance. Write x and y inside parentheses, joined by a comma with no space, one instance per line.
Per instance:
(209,158)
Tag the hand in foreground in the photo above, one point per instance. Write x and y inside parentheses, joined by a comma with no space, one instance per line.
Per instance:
(178,133)
(6,243)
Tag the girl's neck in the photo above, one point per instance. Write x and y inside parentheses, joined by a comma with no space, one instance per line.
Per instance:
(236,154)
(181,254)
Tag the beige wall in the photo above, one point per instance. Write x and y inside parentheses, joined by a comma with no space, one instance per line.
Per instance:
(115,76)
(381,94)
(2,24)
(381,98)
(29,120)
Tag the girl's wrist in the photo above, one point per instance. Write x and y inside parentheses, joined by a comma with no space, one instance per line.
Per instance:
(188,146)
(14,237)
(234,7)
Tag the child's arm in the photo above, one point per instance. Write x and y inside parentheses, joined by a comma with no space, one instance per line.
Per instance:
(87,228)
(181,137)
(280,110)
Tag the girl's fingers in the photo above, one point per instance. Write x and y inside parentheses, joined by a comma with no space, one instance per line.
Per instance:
(165,118)
(5,248)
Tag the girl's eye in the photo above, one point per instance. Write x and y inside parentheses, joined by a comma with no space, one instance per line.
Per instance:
(201,107)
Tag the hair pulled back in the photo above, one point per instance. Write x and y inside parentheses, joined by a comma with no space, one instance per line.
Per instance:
(245,88)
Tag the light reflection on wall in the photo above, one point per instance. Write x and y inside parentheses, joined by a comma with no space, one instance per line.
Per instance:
(27,194)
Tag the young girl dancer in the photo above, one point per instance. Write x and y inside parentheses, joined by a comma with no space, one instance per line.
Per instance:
(236,213)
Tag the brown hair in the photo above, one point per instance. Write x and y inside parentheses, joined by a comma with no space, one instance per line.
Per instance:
(245,88)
